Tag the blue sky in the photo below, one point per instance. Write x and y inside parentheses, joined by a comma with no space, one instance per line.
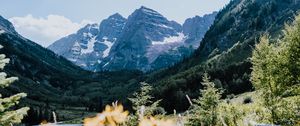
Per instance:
(45,21)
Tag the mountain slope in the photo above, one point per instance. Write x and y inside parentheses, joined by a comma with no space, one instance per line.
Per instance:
(224,50)
(247,21)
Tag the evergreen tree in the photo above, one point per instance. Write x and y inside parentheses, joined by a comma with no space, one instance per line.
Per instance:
(276,72)
(143,104)
(204,109)
(144,99)
(261,61)
(291,57)
(7,115)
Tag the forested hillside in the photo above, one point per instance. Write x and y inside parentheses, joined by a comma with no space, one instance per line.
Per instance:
(225,50)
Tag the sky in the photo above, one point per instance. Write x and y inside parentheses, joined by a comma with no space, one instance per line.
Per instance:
(45,21)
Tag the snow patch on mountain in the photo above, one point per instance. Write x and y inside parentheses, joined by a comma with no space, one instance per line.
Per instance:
(149,11)
(72,59)
(169,43)
(1,31)
(109,44)
(87,34)
(171,39)
(165,26)
(90,46)
(95,26)
(106,64)
(83,65)
(162,25)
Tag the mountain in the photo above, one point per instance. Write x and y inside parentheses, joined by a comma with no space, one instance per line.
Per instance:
(53,82)
(196,27)
(145,41)
(91,43)
(224,51)
(138,46)
(194,30)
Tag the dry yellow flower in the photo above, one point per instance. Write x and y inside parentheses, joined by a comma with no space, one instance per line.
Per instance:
(111,115)
(155,122)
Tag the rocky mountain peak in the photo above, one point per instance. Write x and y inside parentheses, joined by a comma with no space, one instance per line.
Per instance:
(148,11)
(111,27)
(116,16)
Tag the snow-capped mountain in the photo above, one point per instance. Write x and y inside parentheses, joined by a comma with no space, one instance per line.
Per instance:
(145,41)
(145,31)
(91,43)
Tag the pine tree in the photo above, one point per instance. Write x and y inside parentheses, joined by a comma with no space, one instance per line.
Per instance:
(144,105)
(261,60)
(204,109)
(265,79)
(7,115)
(143,98)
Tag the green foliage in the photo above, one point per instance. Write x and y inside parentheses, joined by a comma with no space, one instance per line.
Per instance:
(291,56)
(144,98)
(276,72)
(204,109)
(230,114)
(7,115)
(143,104)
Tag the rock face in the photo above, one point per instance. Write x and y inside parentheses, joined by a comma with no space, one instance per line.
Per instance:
(6,26)
(196,27)
(144,30)
(145,41)
(91,43)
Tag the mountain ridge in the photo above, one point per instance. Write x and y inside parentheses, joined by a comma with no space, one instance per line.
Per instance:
(153,42)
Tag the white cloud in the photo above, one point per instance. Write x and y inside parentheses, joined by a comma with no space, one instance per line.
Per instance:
(45,31)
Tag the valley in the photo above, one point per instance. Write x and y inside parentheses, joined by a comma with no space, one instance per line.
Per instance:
(236,66)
